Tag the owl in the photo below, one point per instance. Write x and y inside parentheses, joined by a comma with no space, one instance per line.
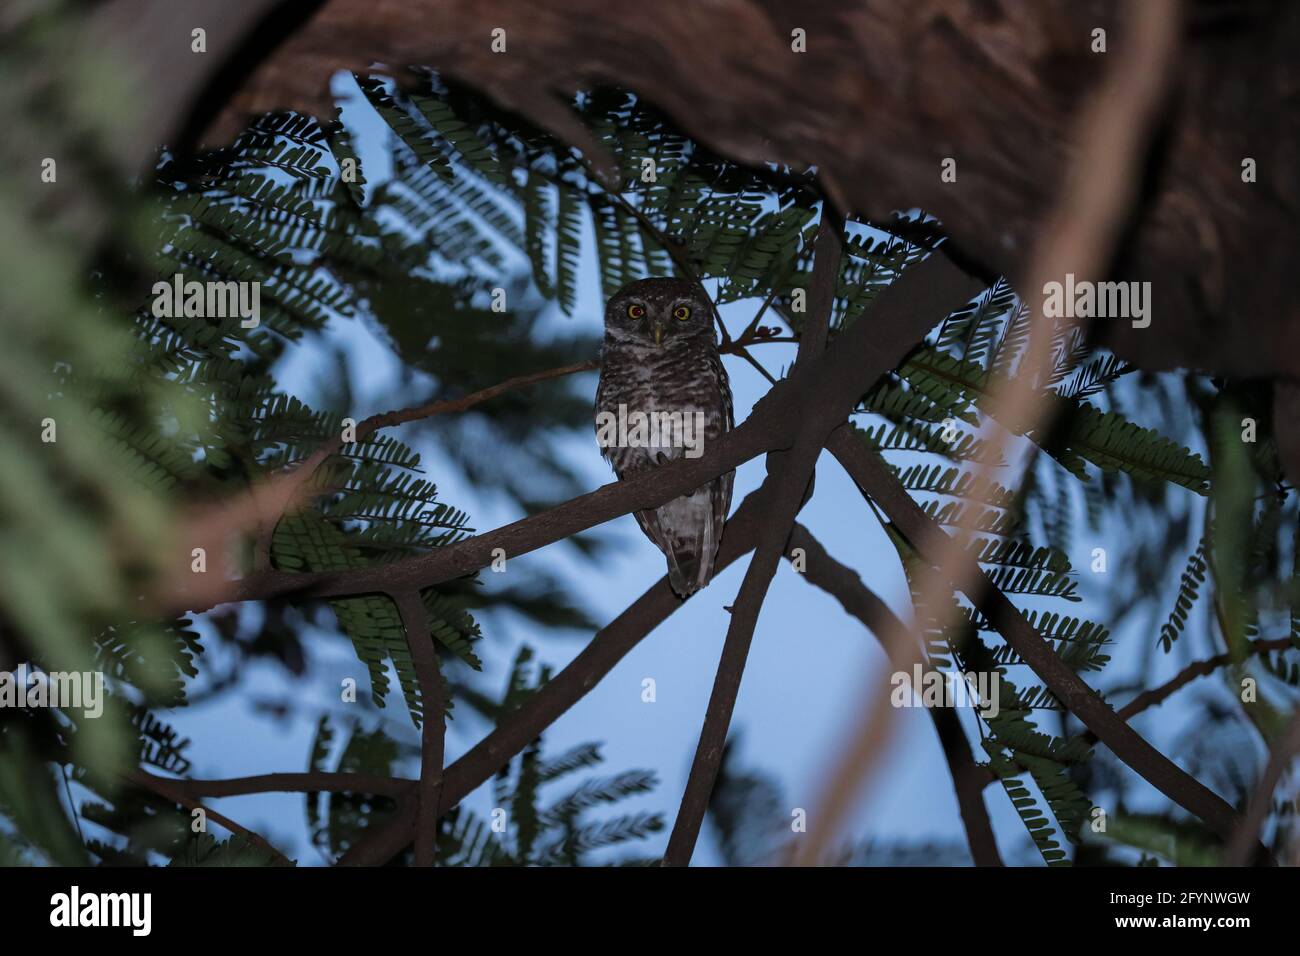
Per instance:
(663,395)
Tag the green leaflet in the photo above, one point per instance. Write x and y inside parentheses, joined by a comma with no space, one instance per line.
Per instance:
(972,330)
(1189,588)
(467,144)
(337,821)
(307,541)
(539,219)
(569,251)
(916,436)
(1112,443)
(1104,439)
(413,134)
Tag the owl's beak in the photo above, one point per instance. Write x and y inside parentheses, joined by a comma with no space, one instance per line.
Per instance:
(659,334)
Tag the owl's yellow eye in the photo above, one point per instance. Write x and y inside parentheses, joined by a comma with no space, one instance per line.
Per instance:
(682,312)
(636,311)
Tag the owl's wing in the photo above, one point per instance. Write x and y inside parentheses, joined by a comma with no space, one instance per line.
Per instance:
(720,499)
(649,523)
(687,532)
(720,490)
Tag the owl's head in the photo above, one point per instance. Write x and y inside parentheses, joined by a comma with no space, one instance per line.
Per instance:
(659,312)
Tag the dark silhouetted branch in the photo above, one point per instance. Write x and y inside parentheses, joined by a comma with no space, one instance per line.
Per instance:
(609,646)
(1157,695)
(790,475)
(311,782)
(928,538)
(846,586)
(1245,841)
(168,790)
(415,621)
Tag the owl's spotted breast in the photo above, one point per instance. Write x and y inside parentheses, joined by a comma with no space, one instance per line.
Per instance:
(648,381)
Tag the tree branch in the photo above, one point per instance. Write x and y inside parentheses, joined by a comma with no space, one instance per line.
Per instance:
(415,620)
(1246,839)
(846,586)
(1157,695)
(930,539)
(598,658)
(790,475)
(289,783)
(166,789)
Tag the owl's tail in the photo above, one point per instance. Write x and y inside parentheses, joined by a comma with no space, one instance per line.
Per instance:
(689,571)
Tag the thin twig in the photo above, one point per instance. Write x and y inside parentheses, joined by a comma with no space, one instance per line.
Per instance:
(167,789)
(750,331)
(1246,840)
(754,362)
(309,782)
(415,620)
(1157,695)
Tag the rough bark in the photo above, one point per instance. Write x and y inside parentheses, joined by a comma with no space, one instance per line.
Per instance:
(884,93)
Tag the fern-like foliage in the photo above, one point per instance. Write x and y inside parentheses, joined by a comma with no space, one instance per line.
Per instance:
(1189,588)
(1029,763)
(206,850)
(529,828)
